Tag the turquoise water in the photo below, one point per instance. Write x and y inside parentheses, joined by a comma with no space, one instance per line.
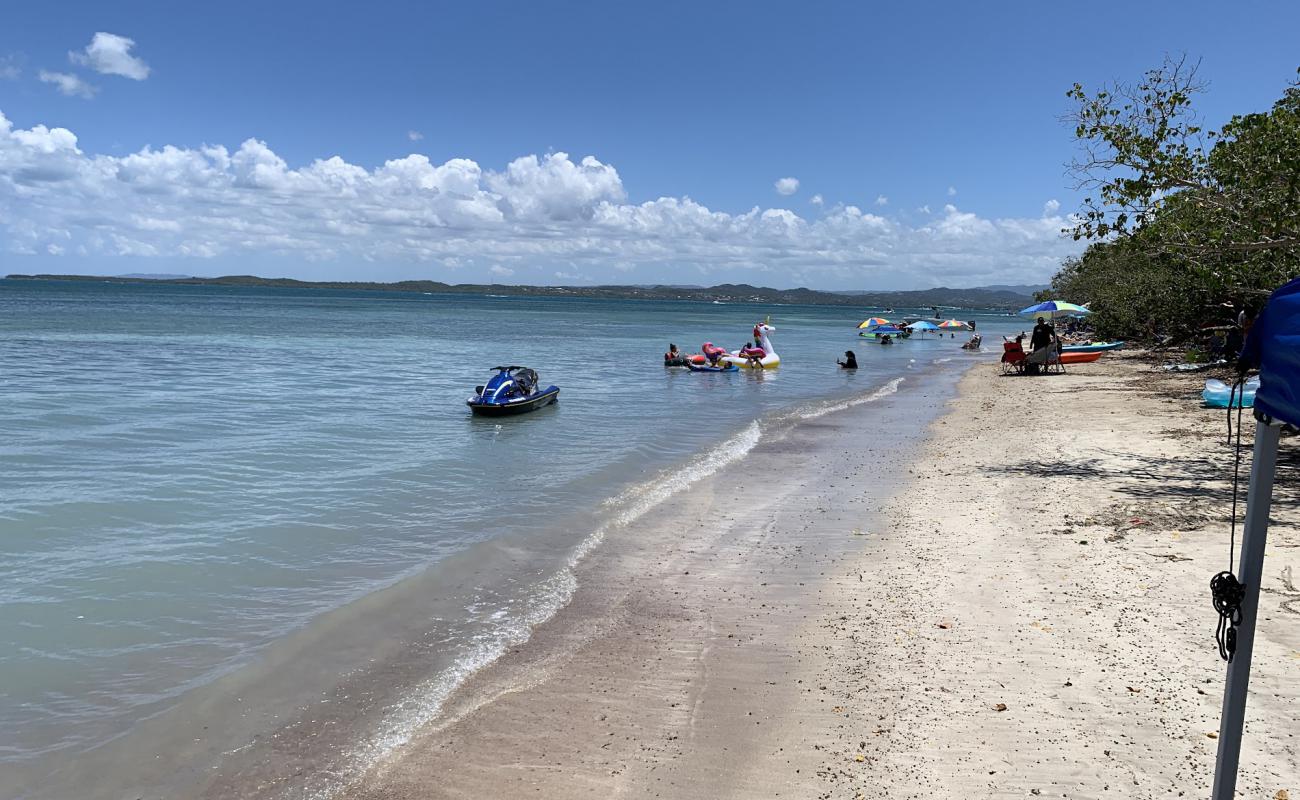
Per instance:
(189,474)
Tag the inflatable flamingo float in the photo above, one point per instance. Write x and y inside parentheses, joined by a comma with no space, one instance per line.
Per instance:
(762,357)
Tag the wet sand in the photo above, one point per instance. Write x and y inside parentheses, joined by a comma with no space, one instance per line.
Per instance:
(1027,614)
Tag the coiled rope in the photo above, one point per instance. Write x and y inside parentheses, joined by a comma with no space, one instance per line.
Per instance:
(1227,591)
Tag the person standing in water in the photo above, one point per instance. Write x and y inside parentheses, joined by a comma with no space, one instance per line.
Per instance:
(850,361)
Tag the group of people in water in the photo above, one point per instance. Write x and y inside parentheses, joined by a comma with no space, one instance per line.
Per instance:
(753,352)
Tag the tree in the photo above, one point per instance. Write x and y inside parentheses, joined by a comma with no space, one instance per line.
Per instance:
(1237,190)
(1185,222)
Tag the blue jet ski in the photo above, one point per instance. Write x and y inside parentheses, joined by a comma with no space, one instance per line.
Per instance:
(513,390)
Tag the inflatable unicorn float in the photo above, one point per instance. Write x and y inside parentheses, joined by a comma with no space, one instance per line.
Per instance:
(759,355)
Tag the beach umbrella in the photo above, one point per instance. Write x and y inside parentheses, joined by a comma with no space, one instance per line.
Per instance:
(1054,309)
(892,330)
(873,322)
(923,326)
(953,323)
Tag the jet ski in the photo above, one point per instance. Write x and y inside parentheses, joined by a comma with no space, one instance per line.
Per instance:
(513,390)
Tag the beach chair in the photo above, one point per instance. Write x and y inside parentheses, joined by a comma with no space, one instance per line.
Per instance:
(1013,358)
(1046,359)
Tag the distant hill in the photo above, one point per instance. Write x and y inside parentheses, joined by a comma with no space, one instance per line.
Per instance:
(1027,289)
(152,276)
(1000,298)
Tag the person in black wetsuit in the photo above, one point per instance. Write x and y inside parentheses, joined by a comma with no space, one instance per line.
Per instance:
(850,361)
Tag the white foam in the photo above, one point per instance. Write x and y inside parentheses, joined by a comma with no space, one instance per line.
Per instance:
(830,408)
(506,630)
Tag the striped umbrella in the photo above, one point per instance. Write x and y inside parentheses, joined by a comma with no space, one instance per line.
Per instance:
(873,322)
(1054,309)
(953,323)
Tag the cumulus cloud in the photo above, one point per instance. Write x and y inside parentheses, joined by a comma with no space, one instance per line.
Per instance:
(553,214)
(881,200)
(110,54)
(1051,207)
(414,136)
(952,191)
(786,186)
(68,84)
(817,200)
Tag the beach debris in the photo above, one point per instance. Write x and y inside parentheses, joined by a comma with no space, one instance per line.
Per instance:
(1135,691)
(1212,735)
(859,758)
(945,624)
(999,706)
(1282,794)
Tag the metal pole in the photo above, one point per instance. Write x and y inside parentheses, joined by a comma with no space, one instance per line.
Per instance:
(1250,572)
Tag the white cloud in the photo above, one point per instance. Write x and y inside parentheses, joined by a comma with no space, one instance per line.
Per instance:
(881,200)
(817,200)
(1051,207)
(414,136)
(501,272)
(952,191)
(10,68)
(547,215)
(787,186)
(924,209)
(110,54)
(68,84)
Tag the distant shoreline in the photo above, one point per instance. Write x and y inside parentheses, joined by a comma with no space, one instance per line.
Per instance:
(982,298)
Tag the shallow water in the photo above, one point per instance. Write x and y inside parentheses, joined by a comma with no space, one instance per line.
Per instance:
(189,474)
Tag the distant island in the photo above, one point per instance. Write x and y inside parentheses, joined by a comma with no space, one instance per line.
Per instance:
(990,297)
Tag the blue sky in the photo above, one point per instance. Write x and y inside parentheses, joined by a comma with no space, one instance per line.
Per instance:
(929,131)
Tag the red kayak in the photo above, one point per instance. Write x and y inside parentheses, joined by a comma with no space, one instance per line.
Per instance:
(1079,358)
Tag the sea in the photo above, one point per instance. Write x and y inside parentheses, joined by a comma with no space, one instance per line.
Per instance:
(191,476)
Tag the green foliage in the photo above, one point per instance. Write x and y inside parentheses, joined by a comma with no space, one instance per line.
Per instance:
(1186,222)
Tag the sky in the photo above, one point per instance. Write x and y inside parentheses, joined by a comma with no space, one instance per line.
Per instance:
(831,145)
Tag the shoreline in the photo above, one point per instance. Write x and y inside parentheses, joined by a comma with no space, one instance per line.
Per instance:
(265,727)
(631,551)
(802,621)
(1017,621)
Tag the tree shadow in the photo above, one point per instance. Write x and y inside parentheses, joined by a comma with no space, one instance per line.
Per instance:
(1162,478)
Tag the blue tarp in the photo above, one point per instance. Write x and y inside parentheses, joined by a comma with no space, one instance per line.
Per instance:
(1273,347)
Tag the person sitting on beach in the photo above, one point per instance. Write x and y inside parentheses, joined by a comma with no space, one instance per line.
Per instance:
(850,361)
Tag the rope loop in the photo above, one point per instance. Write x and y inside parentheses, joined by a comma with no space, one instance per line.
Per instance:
(1228,594)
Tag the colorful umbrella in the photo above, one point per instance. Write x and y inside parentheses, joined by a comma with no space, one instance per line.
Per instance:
(1053,309)
(880,329)
(873,322)
(953,323)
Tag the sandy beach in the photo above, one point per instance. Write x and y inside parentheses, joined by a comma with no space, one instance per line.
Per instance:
(1027,614)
